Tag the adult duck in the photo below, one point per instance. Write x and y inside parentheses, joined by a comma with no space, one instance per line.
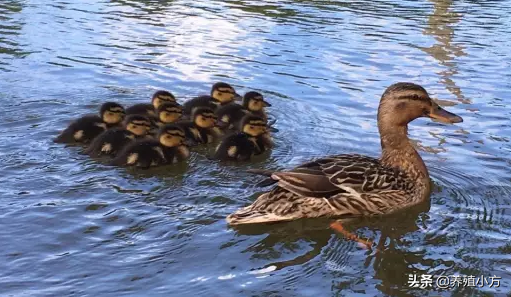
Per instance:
(351,185)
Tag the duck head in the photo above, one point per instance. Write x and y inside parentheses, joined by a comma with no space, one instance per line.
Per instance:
(160,97)
(254,101)
(224,93)
(253,125)
(171,135)
(204,117)
(404,102)
(169,112)
(112,113)
(138,124)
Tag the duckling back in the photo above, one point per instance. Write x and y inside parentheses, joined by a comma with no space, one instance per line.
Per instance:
(230,115)
(110,142)
(201,101)
(142,109)
(235,147)
(141,153)
(82,130)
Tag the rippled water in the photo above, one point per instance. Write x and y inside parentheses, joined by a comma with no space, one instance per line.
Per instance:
(72,226)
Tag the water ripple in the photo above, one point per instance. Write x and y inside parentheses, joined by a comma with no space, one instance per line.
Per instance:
(74,226)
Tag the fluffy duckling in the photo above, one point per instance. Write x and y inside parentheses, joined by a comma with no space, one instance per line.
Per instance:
(111,141)
(221,94)
(253,139)
(86,128)
(168,149)
(230,115)
(202,128)
(167,113)
(159,97)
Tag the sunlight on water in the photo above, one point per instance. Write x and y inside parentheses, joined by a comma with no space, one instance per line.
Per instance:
(74,226)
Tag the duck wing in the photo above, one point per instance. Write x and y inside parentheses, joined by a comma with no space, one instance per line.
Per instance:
(329,176)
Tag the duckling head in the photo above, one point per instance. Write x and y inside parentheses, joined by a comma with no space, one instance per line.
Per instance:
(112,113)
(224,93)
(137,124)
(254,125)
(171,135)
(170,112)
(254,101)
(160,97)
(404,102)
(204,117)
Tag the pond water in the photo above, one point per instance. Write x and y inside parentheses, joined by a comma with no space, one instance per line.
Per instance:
(71,226)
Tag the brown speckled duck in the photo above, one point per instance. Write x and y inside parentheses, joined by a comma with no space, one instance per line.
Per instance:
(355,185)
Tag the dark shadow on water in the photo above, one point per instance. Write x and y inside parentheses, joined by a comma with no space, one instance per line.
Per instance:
(10,30)
(318,232)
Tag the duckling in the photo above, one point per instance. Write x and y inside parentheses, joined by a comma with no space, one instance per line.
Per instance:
(221,94)
(230,115)
(159,97)
(202,129)
(167,113)
(86,128)
(111,141)
(253,139)
(169,148)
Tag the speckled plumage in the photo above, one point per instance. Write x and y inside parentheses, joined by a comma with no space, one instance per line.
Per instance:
(351,185)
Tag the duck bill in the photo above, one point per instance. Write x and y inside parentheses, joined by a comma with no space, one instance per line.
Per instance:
(441,115)
(266,104)
(272,129)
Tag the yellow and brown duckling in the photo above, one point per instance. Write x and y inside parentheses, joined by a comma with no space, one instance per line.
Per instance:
(202,128)
(86,128)
(111,141)
(169,148)
(351,185)
(159,97)
(167,113)
(230,115)
(253,139)
(221,94)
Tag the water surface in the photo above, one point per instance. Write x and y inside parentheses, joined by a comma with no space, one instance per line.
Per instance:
(72,226)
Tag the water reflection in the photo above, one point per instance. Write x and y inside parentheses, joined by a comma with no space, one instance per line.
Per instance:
(441,24)
(323,64)
(10,28)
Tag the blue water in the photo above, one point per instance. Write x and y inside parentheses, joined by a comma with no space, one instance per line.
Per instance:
(71,226)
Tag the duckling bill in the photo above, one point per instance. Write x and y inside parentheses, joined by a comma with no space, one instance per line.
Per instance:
(86,128)
(168,149)
(111,141)
(252,140)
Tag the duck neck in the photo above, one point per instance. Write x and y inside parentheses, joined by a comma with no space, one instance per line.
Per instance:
(397,151)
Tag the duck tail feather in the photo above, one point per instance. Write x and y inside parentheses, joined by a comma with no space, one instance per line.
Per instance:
(264,172)
(249,216)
